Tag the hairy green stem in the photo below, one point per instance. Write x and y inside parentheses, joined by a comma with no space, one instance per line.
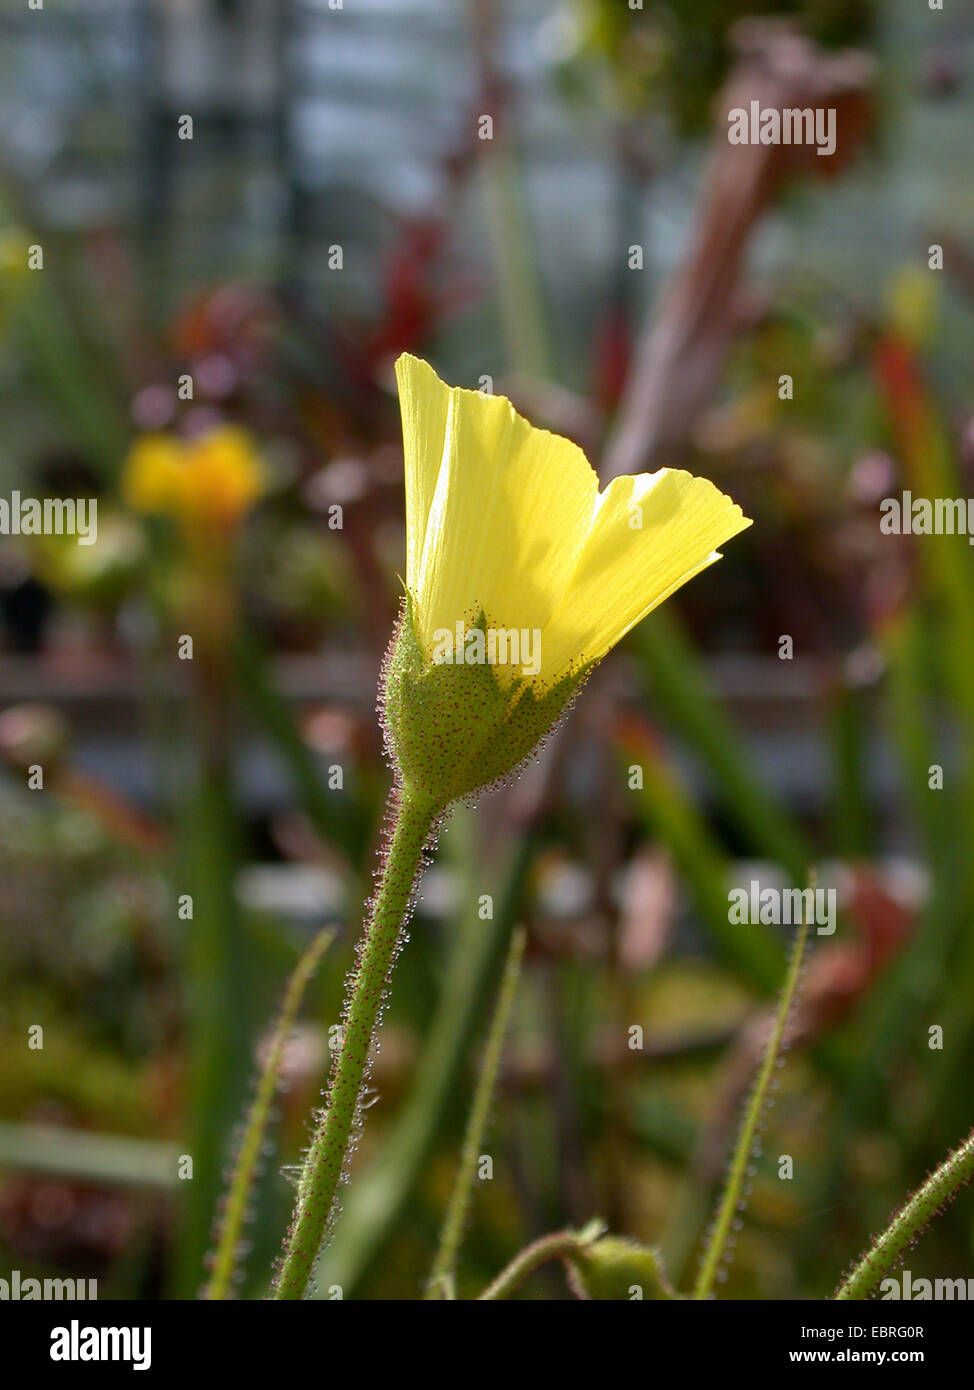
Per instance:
(245,1167)
(557,1246)
(382,1192)
(940,1188)
(442,1281)
(745,1142)
(412,819)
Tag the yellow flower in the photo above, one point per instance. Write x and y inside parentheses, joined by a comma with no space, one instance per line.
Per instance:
(520,576)
(913,302)
(507,521)
(14,255)
(152,476)
(223,477)
(208,483)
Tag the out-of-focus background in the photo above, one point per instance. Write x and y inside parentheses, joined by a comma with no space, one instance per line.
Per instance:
(241,285)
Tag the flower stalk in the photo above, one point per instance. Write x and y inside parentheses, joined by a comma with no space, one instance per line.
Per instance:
(442,1280)
(749,1128)
(941,1187)
(411,824)
(507,536)
(560,1245)
(245,1168)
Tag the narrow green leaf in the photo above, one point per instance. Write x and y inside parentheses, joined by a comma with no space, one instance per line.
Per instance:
(245,1167)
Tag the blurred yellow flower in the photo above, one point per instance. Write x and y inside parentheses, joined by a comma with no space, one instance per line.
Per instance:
(224,477)
(151,478)
(913,302)
(14,252)
(207,483)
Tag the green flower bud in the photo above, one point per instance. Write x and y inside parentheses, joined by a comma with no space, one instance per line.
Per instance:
(613,1268)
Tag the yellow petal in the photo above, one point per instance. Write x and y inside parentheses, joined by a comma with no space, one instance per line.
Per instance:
(423,402)
(507,521)
(649,535)
(152,475)
(504,508)
(223,477)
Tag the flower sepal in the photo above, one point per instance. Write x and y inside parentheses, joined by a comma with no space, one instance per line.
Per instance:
(453,728)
